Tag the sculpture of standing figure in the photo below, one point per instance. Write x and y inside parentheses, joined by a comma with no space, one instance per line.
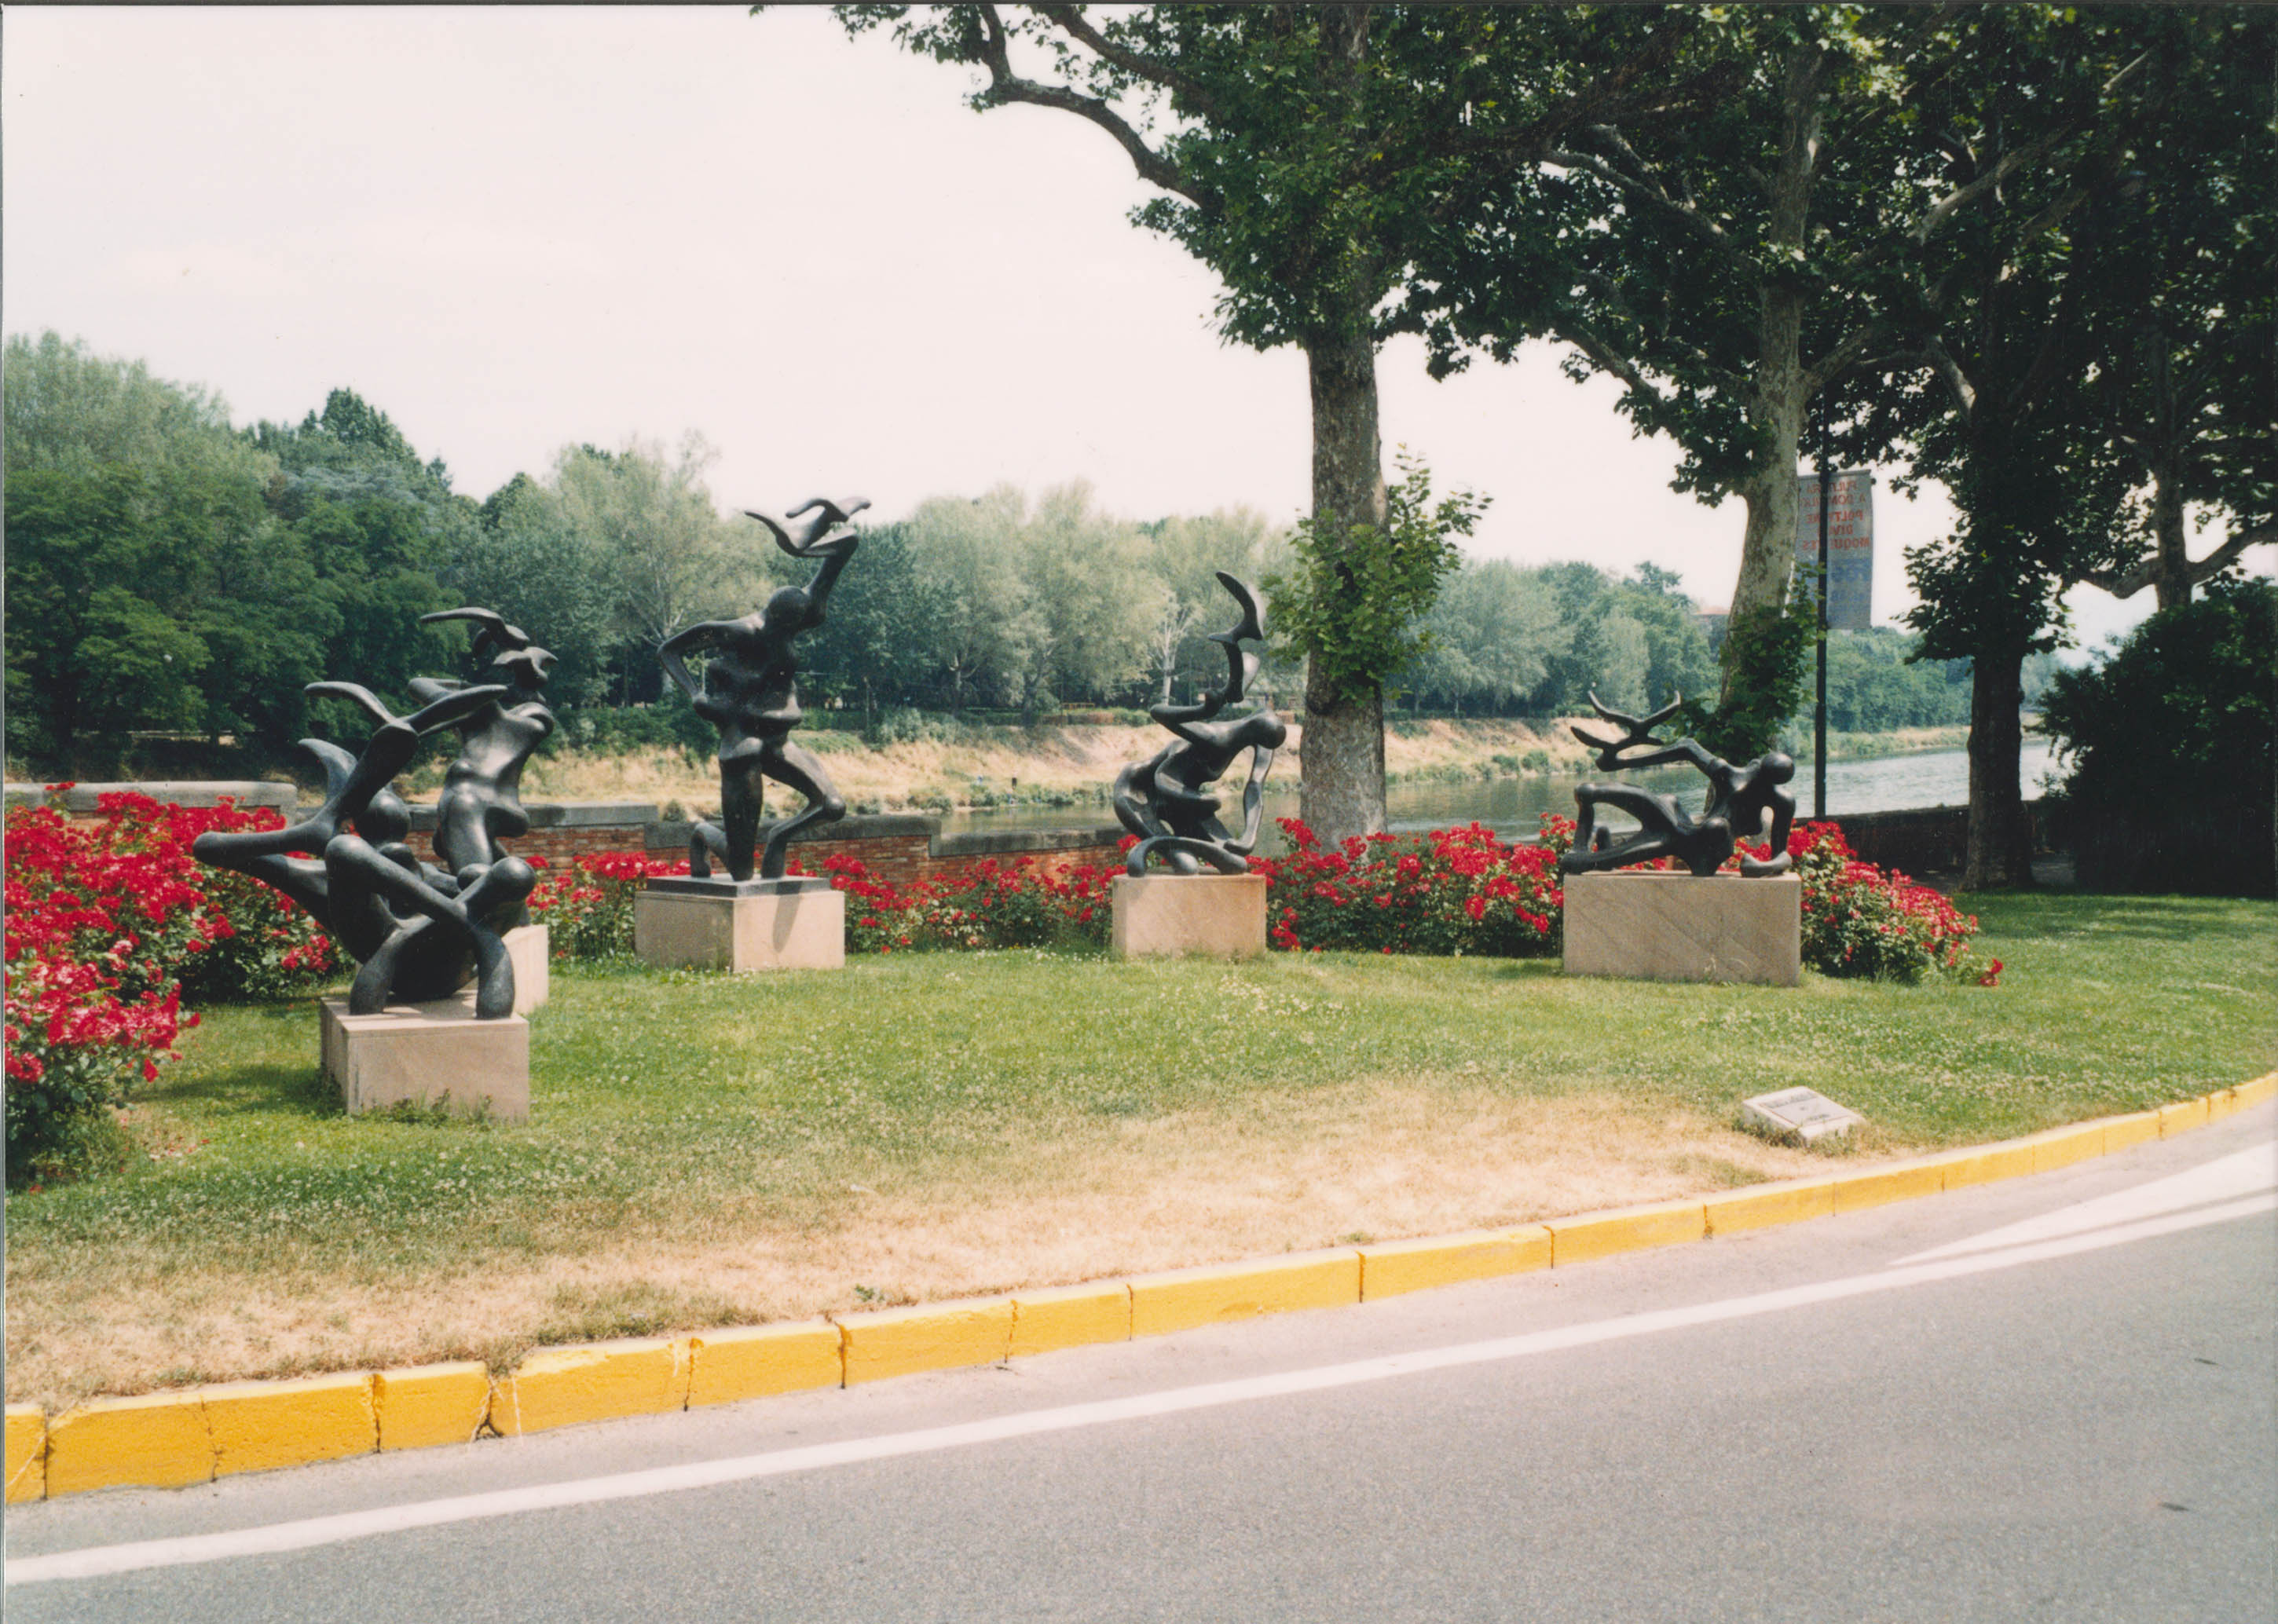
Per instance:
(482,791)
(1738,797)
(750,692)
(1166,800)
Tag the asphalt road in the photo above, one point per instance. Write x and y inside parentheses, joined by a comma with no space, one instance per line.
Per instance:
(2068,1410)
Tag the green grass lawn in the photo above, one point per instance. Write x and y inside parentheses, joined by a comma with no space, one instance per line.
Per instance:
(257,1230)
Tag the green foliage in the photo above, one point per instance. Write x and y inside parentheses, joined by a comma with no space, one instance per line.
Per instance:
(1354,603)
(167,574)
(1768,659)
(2177,728)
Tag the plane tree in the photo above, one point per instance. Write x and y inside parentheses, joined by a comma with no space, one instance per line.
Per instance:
(1302,151)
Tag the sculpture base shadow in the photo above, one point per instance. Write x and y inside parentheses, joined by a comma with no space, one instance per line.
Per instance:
(1181,915)
(740,925)
(1659,925)
(428,1056)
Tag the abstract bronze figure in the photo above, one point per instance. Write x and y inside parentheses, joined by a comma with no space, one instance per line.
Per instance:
(750,692)
(419,933)
(1166,800)
(1738,797)
(481,802)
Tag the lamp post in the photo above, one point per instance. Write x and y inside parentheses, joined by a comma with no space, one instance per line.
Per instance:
(1819,711)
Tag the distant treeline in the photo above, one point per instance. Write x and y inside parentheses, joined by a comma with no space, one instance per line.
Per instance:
(169,574)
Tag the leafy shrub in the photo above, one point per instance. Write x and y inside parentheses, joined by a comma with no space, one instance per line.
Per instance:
(1450,891)
(1860,922)
(97,919)
(112,925)
(2172,743)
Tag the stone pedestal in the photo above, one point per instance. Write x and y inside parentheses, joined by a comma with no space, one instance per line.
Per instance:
(532,950)
(740,925)
(1653,925)
(428,1054)
(1172,916)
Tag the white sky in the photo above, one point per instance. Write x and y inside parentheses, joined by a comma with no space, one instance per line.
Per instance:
(516,228)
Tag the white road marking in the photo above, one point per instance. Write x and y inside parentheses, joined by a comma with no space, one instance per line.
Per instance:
(97,1561)
(2249,1172)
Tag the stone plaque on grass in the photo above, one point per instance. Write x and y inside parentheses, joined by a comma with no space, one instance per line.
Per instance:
(1798,1115)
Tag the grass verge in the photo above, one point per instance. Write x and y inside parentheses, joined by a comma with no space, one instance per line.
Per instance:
(707,1150)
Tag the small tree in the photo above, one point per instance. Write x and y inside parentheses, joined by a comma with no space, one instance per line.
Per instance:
(1355,603)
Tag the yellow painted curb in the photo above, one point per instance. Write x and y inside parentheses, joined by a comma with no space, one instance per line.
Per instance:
(751,1362)
(158,1440)
(27,1453)
(1626,1228)
(1761,1205)
(431,1404)
(2062,1147)
(1071,1317)
(166,1439)
(2181,1116)
(1996,1162)
(929,1337)
(2133,1128)
(257,1426)
(1901,1181)
(601,1381)
(1216,1294)
(1390,1267)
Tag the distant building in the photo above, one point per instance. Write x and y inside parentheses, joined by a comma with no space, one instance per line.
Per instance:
(1712,624)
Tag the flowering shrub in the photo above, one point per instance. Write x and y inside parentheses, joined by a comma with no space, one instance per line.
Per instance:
(111,925)
(993,905)
(588,908)
(1450,891)
(1860,921)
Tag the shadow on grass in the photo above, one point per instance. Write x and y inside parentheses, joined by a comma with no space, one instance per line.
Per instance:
(2025,915)
(258,1090)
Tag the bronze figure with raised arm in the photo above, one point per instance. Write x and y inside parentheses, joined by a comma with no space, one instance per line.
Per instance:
(1739,799)
(1166,800)
(750,691)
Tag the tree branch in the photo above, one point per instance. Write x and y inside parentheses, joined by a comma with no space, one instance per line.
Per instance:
(1591,163)
(2127,582)
(1073,23)
(1606,359)
(1006,85)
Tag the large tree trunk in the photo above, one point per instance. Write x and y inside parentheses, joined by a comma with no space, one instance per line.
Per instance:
(1341,754)
(1782,386)
(2173,580)
(2001,849)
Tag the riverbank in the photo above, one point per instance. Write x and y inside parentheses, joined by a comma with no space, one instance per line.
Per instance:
(964,767)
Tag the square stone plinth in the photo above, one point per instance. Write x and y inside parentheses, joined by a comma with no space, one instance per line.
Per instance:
(1172,916)
(532,950)
(1654,926)
(428,1054)
(740,926)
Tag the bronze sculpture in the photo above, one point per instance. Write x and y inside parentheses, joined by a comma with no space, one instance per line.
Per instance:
(481,802)
(418,932)
(1739,798)
(750,692)
(1165,800)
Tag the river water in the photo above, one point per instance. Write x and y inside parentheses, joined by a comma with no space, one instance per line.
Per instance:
(1510,806)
